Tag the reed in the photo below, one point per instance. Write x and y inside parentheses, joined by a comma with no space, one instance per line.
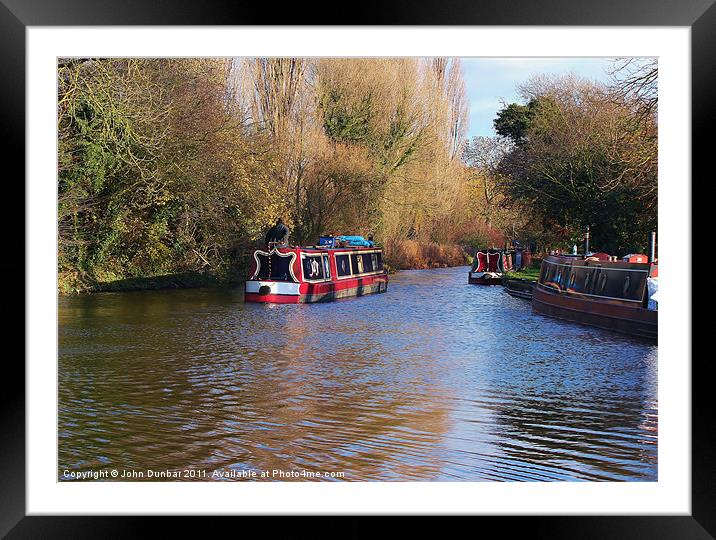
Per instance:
(414,255)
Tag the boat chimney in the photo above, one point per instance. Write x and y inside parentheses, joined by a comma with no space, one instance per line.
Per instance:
(652,246)
(586,242)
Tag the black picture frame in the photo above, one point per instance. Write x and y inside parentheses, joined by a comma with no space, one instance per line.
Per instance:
(16,15)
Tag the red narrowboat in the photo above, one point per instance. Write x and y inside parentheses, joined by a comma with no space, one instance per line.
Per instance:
(488,267)
(293,275)
(614,295)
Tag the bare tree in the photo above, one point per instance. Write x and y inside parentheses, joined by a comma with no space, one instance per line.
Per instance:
(483,155)
(636,80)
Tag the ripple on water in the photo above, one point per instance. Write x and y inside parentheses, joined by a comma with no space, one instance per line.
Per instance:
(435,380)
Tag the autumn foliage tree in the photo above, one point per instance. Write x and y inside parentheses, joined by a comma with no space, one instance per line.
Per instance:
(583,155)
(174,165)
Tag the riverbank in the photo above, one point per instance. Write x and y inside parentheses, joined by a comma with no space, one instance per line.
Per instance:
(76,283)
(530,273)
(401,255)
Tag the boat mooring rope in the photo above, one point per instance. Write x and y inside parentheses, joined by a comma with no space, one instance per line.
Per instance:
(269,263)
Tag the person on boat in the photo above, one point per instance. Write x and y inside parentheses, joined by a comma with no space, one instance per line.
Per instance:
(278,234)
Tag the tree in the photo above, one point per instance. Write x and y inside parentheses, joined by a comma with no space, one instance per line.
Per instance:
(586,159)
(514,120)
(173,165)
(483,155)
(110,131)
(635,80)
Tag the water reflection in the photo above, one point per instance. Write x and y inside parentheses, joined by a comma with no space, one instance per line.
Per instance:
(435,380)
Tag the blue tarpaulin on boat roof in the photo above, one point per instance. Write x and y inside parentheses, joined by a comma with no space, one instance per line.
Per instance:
(355,241)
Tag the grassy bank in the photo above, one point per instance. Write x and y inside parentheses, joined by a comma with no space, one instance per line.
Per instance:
(76,283)
(531,273)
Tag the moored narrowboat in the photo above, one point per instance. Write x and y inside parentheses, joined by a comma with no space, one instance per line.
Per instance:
(614,295)
(321,273)
(488,267)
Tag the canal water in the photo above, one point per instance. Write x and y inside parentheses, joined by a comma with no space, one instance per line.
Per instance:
(434,380)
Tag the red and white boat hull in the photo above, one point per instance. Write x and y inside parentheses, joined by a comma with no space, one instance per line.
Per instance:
(300,293)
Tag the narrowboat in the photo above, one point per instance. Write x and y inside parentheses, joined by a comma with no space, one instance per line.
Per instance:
(488,267)
(600,291)
(321,273)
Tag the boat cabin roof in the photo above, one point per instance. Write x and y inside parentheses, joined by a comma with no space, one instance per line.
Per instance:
(326,249)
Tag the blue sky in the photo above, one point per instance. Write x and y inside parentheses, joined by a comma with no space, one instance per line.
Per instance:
(489,81)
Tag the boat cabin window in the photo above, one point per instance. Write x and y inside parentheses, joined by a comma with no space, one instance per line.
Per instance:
(628,284)
(620,283)
(357,262)
(368,265)
(587,280)
(314,267)
(343,266)
(544,272)
(561,278)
